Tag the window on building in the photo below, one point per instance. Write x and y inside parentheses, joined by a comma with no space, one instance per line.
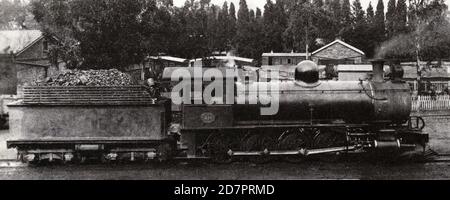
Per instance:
(289,61)
(45,45)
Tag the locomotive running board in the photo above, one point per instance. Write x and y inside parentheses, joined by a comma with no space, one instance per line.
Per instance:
(303,152)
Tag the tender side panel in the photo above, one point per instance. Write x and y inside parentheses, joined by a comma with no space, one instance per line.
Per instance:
(84,122)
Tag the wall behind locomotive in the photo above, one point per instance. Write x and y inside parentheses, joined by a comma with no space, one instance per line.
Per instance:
(8,79)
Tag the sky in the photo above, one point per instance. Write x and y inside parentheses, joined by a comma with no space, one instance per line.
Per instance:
(253,4)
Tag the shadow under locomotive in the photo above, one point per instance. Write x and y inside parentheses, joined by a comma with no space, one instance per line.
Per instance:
(315,119)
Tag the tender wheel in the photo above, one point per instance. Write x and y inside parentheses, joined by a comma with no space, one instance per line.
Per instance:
(327,138)
(217,146)
(258,142)
(25,158)
(294,139)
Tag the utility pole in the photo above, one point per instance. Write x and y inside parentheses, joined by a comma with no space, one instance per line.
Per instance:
(416,4)
(308,23)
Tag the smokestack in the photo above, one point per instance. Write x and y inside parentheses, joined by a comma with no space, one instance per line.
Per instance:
(378,72)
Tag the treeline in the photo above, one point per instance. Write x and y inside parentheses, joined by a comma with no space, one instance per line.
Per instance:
(115,33)
(14,14)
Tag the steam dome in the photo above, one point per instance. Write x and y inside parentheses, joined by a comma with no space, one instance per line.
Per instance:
(307,71)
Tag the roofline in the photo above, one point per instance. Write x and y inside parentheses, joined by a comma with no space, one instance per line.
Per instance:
(32,64)
(162,58)
(237,58)
(341,42)
(285,54)
(30,45)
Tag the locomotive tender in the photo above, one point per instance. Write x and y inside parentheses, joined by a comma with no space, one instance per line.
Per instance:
(314,118)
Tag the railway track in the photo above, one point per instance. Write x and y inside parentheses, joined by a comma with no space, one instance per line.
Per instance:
(429,157)
(439,158)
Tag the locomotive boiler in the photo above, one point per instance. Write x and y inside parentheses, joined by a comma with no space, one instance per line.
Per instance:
(307,98)
(314,118)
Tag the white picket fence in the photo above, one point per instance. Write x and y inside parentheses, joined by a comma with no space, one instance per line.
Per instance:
(424,103)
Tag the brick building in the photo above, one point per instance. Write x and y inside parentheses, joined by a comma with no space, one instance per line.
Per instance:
(27,50)
(8,79)
(354,72)
(13,42)
(221,61)
(338,52)
(435,76)
(327,57)
(270,59)
(153,66)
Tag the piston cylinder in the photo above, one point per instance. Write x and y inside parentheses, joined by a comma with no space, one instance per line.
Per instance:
(394,144)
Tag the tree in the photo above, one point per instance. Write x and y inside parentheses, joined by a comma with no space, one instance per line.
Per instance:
(258,14)
(326,23)
(233,23)
(371,29)
(102,34)
(379,23)
(258,30)
(346,21)
(336,16)
(274,26)
(213,28)
(318,3)
(391,19)
(303,27)
(51,15)
(370,16)
(243,34)
(15,14)
(401,15)
(360,35)
(224,42)
(430,39)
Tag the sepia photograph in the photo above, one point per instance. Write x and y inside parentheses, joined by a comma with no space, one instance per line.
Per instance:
(224,90)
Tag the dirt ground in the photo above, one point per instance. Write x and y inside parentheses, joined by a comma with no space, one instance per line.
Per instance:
(6,154)
(313,170)
(438,128)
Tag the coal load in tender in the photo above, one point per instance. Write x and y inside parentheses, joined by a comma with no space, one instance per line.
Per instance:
(111,77)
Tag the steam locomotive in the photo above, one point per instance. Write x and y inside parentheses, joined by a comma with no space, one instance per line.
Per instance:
(315,119)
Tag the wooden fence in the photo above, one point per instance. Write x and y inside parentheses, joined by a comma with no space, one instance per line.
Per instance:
(424,103)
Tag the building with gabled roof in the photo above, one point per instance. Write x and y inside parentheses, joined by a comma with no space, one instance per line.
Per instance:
(24,57)
(291,58)
(14,41)
(338,52)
